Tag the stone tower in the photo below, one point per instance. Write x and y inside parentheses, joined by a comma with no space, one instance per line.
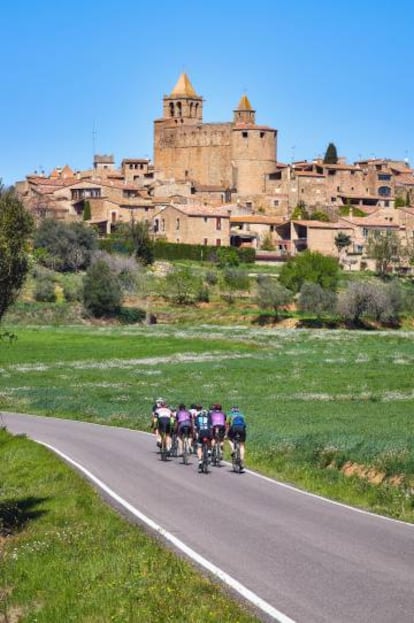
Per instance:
(183,105)
(253,151)
(236,154)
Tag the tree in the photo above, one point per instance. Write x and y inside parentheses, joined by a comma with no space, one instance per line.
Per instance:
(15,228)
(331,156)
(102,295)
(64,247)
(318,215)
(300,213)
(314,299)
(234,280)
(312,267)
(272,295)
(86,211)
(136,237)
(370,299)
(342,241)
(182,285)
(384,247)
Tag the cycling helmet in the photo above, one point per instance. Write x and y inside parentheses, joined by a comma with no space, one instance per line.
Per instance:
(217,406)
(181,407)
(235,408)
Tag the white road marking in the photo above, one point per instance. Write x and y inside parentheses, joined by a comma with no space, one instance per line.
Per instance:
(222,575)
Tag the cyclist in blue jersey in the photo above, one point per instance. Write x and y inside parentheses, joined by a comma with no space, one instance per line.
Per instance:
(203,426)
(237,426)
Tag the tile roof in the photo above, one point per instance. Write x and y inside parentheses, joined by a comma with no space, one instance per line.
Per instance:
(183,88)
(321,224)
(244,104)
(367,221)
(258,219)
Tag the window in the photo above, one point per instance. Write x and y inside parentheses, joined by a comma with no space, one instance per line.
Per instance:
(156,225)
(245,134)
(163,224)
(384,191)
(206,241)
(113,217)
(177,224)
(365,232)
(262,134)
(205,219)
(218,242)
(384,177)
(218,223)
(275,202)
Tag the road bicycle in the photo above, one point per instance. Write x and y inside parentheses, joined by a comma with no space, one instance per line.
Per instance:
(174,445)
(235,455)
(216,452)
(186,444)
(163,449)
(205,455)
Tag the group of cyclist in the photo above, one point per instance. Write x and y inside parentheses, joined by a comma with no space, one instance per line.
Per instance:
(199,424)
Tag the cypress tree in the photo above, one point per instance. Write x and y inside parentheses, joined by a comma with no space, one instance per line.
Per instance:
(331,157)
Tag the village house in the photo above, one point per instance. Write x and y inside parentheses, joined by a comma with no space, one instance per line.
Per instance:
(192,225)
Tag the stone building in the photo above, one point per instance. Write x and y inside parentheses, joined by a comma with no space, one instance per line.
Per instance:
(234,155)
(193,225)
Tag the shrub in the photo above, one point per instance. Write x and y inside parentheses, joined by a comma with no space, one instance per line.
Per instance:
(127,269)
(211,277)
(312,267)
(102,294)
(271,294)
(316,300)
(182,285)
(66,247)
(72,291)
(131,315)
(370,299)
(44,290)
(227,256)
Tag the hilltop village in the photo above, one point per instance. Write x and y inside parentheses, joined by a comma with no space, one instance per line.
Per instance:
(222,184)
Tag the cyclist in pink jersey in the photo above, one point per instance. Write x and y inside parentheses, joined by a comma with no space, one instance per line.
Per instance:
(218,420)
(183,425)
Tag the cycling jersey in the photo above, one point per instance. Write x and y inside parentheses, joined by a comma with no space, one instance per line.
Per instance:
(218,418)
(183,416)
(203,421)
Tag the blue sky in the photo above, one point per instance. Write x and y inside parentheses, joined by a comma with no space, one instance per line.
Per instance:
(86,76)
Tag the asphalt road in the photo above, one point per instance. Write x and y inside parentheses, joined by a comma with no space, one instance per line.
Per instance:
(308,559)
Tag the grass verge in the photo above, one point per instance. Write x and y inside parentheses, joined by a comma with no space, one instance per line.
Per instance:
(66,556)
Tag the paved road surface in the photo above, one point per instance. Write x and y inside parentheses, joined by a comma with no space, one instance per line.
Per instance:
(311,560)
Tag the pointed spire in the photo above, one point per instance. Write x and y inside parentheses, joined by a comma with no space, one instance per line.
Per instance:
(244,103)
(183,88)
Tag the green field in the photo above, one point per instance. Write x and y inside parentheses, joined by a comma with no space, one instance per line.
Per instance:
(315,401)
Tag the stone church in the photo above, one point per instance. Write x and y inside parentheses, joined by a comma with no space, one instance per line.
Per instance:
(234,156)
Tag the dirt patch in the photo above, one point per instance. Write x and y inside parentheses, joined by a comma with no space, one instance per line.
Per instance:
(372,475)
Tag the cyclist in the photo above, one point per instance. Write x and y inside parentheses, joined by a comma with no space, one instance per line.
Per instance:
(218,420)
(154,420)
(204,429)
(183,425)
(237,425)
(164,423)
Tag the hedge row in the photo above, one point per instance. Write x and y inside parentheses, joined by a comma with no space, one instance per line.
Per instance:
(197,252)
(176,251)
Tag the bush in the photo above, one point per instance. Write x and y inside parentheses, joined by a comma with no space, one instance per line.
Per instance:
(370,299)
(182,285)
(272,295)
(125,268)
(316,300)
(131,315)
(44,290)
(102,294)
(211,277)
(227,256)
(62,246)
(72,291)
(312,267)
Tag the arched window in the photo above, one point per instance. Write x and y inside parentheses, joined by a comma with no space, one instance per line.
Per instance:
(191,109)
(171,109)
(179,109)
(384,191)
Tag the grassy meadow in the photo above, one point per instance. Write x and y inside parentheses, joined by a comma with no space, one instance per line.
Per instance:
(331,411)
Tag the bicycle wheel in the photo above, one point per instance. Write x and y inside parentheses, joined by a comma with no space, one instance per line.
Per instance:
(235,459)
(205,458)
(186,450)
(163,449)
